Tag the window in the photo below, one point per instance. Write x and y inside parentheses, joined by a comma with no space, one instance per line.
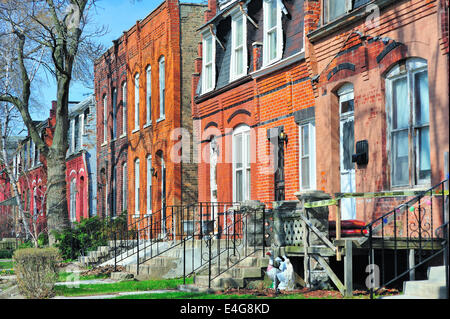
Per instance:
(82,119)
(408,121)
(72,135)
(162,89)
(208,73)
(73,200)
(136,187)
(114,113)
(124,186)
(307,156)
(149,184)
(105,114)
(241,163)
(136,102)
(149,95)
(273,33)
(333,9)
(113,191)
(76,133)
(238,46)
(124,108)
(32,153)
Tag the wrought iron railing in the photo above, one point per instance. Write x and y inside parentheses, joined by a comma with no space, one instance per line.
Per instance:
(411,225)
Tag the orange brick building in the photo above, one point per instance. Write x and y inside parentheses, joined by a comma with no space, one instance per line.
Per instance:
(154,58)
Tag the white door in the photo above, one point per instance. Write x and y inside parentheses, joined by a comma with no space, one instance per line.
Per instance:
(347,142)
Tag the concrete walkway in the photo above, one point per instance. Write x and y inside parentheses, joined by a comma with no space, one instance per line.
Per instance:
(86,282)
(130,293)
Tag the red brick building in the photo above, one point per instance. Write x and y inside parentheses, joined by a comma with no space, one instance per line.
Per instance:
(380,77)
(279,112)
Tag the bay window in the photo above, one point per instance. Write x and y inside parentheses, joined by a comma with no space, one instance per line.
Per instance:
(408,121)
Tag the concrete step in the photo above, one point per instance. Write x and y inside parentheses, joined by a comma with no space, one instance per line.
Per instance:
(227,282)
(425,288)
(436,273)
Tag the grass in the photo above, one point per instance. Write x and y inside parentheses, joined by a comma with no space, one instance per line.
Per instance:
(68,276)
(124,286)
(6,265)
(188,295)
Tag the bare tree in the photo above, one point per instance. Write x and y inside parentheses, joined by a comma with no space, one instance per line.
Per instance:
(50,34)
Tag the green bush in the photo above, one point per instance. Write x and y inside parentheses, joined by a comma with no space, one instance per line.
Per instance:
(87,235)
(37,271)
(6,254)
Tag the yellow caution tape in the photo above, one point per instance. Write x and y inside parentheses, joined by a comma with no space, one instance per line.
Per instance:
(335,201)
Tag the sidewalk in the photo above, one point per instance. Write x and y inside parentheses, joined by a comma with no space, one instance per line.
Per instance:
(116,295)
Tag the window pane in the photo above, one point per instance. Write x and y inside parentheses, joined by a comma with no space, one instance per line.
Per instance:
(247,146)
(208,50)
(305,140)
(400,116)
(347,106)
(272,14)
(238,150)
(239,195)
(248,183)
(400,158)
(421,97)
(305,173)
(348,144)
(424,153)
(239,61)
(272,45)
(239,34)
(335,8)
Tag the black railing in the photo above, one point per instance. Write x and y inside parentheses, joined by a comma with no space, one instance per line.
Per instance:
(154,234)
(411,225)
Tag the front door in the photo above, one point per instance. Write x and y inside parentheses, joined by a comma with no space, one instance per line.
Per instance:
(347,142)
(163,197)
(279,173)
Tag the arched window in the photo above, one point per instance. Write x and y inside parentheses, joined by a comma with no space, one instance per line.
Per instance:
(136,187)
(73,200)
(149,184)
(148,99)
(408,116)
(136,102)
(241,163)
(124,108)
(105,118)
(162,89)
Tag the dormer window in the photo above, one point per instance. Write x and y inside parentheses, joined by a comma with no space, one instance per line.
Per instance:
(238,46)
(273,33)
(208,72)
(333,9)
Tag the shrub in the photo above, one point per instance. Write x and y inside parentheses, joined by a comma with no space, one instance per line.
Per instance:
(87,235)
(37,271)
(6,254)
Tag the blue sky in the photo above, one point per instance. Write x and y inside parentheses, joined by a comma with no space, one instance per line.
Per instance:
(118,16)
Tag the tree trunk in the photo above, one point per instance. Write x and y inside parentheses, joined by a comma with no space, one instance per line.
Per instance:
(57,212)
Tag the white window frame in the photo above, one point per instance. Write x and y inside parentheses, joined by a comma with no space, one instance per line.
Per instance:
(148,96)
(278,30)
(413,66)
(72,135)
(105,118)
(137,187)
(207,87)
(149,184)
(114,113)
(73,199)
(124,187)
(124,108)
(234,19)
(162,88)
(136,102)
(82,129)
(311,155)
(244,131)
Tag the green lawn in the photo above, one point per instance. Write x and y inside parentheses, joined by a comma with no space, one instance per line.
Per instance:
(124,286)
(6,265)
(63,276)
(187,295)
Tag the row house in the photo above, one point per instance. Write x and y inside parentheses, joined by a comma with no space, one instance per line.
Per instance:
(81,160)
(332,95)
(144,112)
(254,103)
(379,72)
